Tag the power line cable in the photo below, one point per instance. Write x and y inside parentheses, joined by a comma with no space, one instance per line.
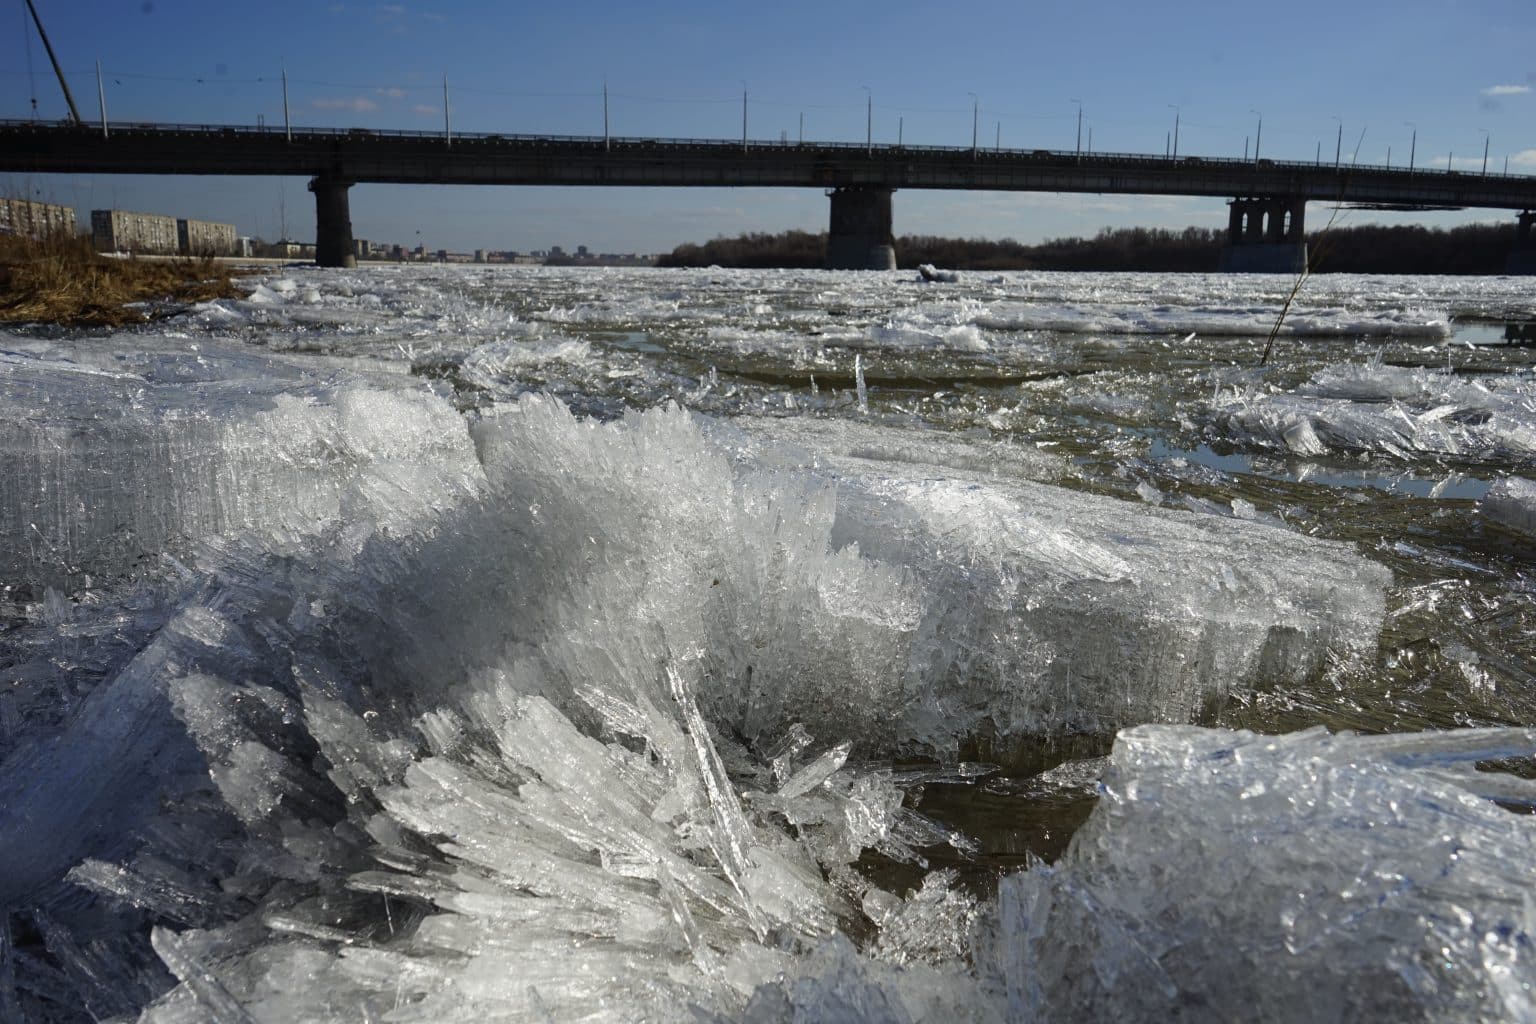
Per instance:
(26,33)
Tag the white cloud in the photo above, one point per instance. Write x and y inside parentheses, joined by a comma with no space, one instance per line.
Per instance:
(1506,90)
(1524,158)
(356,104)
(425,109)
(393,93)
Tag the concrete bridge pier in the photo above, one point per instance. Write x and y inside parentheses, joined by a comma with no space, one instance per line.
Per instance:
(1522,255)
(860,236)
(1266,235)
(333,222)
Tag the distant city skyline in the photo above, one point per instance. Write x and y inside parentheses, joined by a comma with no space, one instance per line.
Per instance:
(1370,81)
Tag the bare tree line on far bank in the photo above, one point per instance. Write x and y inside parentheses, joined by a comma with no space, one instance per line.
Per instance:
(1363,249)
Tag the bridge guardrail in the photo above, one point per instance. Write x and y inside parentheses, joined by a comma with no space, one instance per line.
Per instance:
(885,150)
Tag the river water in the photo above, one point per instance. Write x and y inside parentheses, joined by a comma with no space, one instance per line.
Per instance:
(462,642)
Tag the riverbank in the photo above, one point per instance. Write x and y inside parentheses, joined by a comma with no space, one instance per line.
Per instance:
(1470,249)
(65,282)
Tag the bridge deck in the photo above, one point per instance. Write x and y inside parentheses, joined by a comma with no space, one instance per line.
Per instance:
(366,155)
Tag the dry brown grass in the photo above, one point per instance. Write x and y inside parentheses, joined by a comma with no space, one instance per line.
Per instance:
(64,281)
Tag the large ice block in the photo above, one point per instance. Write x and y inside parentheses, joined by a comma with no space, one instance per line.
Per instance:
(1308,877)
(1512,503)
(1044,608)
(106,469)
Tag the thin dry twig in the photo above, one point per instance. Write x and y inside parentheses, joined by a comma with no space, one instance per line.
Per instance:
(1313,252)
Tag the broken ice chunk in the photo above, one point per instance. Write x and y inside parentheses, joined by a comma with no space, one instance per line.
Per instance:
(1047,609)
(1308,877)
(1390,410)
(1512,503)
(106,469)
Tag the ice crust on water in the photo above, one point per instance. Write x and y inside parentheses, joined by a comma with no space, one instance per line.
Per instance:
(1388,410)
(1511,502)
(106,469)
(1231,321)
(1307,877)
(268,645)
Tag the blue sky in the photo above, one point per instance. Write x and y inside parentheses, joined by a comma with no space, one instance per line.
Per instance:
(1457,73)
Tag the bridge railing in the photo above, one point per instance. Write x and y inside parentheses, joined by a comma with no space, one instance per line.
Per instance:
(882,150)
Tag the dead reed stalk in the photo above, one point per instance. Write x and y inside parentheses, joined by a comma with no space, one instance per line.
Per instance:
(62,280)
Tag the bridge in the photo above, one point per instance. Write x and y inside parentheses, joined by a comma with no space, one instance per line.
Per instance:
(1265,230)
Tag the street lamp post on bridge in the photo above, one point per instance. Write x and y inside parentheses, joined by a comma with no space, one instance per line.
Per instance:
(975,118)
(869,122)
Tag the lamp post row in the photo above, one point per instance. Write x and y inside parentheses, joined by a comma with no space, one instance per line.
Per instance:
(869,126)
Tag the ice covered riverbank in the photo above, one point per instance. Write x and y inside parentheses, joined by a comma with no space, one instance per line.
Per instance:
(365,657)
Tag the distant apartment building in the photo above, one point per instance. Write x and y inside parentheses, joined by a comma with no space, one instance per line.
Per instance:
(125,231)
(160,235)
(286,250)
(204,238)
(36,220)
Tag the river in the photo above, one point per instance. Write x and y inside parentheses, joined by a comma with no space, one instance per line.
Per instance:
(475,642)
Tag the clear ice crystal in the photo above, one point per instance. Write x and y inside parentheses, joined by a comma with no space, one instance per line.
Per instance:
(106,469)
(1511,502)
(1301,877)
